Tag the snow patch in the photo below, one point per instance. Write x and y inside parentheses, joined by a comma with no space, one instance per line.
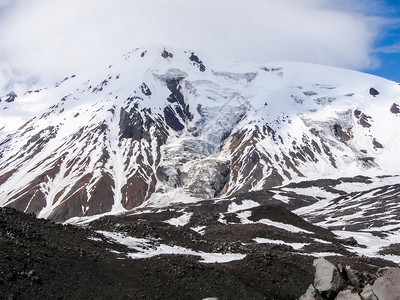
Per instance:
(180,221)
(284,226)
(245,215)
(295,246)
(199,229)
(145,248)
(373,243)
(246,204)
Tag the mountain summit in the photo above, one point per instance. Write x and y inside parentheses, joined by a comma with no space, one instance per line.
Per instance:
(165,125)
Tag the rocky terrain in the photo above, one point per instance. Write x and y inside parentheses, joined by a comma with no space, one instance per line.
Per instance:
(158,255)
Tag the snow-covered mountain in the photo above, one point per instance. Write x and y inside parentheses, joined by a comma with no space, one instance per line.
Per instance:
(166,125)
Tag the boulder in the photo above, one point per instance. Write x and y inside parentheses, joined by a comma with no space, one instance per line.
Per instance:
(347,295)
(387,286)
(310,293)
(349,276)
(328,280)
(367,293)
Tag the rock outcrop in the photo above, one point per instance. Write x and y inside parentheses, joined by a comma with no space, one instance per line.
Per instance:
(338,283)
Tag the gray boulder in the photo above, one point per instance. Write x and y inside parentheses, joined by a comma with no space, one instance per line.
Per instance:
(347,295)
(328,280)
(310,293)
(387,286)
(367,293)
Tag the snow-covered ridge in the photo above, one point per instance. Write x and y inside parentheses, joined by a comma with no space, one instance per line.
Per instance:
(164,125)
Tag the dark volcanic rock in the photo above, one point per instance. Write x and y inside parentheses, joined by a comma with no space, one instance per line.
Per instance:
(131,125)
(11,97)
(373,92)
(177,97)
(343,135)
(172,120)
(377,144)
(166,54)
(395,109)
(362,118)
(145,89)
(197,62)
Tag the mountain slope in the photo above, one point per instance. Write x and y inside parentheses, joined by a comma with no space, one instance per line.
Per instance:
(164,126)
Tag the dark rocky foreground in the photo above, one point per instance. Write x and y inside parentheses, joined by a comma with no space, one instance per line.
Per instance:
(43,260)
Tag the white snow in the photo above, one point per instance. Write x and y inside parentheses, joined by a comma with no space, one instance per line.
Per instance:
(280,197)
(246,204)
(222,219)
(322,241)
(181,220)
(92,238)
(287,227)
(373,243)
(313,191)
(199,229)
(245,215)
(295,246)
(321,254)
(349,187)
(145,248)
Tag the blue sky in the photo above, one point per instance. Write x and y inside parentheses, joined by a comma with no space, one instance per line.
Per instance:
(387,46)
(43,41)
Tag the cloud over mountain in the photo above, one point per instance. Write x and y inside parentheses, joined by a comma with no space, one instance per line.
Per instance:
(54,38)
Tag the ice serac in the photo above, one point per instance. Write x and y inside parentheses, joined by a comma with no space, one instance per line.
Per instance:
(168,125)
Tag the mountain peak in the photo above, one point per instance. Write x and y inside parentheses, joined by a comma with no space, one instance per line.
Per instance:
(167,125)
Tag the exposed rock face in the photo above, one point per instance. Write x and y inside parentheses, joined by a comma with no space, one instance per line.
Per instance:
(208,179)
(377,144)
(373,92)
(166,54)
(363,119)
(395,109)
(11,96)
(343,135)
(197,62)
(145,89)
(131,125)
(172,120)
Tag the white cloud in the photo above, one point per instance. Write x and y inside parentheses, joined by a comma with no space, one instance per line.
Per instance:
(395,48)
(58,38)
